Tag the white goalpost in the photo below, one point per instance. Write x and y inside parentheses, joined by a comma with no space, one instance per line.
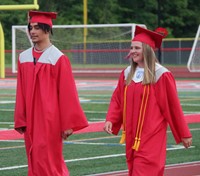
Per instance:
(193,64)
(103,43)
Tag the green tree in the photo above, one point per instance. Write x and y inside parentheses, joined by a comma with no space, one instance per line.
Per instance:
(12,17)
(142,12)
(180,17)
(103,12)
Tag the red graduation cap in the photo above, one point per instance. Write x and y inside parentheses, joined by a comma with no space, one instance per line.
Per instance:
(149,37)
(42,17)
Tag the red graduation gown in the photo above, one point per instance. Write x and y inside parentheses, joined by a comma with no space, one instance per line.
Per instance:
(163,107)
(47,103)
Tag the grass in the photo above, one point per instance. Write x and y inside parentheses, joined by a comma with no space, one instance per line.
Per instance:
(88,157)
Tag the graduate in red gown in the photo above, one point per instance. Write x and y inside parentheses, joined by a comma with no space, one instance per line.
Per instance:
(47,105)
(144,102)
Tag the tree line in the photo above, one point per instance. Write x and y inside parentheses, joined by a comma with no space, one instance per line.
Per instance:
(180,17)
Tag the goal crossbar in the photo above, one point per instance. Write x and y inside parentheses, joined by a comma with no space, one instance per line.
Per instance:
(89,26)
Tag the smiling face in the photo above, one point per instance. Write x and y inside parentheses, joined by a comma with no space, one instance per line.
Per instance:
(137,53)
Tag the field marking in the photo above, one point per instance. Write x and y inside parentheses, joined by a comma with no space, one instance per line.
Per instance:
(191,99)
(12,140)
(169,148)
(73,160)
(9,110)
(14,147)
(97,112)
(7,123)
(68,161)
(95,143)
(13,167)
(189,104)
(171,166)
(7,102)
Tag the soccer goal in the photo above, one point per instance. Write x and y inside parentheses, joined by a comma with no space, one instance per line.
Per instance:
(100,44)
(193,64)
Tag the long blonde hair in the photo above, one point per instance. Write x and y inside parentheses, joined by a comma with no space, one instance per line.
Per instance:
(149,66)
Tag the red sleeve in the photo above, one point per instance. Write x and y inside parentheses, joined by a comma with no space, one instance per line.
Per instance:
(20,108)
(170,106)
(115,110)
(71,113)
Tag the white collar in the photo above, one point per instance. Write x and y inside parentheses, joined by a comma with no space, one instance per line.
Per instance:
(139,73)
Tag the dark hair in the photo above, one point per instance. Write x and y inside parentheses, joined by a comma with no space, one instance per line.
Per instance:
(45,27)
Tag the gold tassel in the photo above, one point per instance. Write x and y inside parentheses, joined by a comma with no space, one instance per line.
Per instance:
(123,137)
(138,144)
(141,118)
(135,143)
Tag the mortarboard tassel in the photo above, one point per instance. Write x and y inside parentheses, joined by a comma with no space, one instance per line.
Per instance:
(123,137)
(141,118)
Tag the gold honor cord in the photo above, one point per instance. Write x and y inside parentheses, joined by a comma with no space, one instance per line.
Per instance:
(123,137)
(141,118)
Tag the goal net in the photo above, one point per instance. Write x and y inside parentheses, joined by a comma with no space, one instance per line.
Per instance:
(193,64)
(83,44)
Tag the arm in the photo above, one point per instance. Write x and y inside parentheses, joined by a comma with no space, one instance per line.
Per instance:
(114,117)
(108,127)
(20,111)
(187,142)
(67,133)
(171,108)
(72,116)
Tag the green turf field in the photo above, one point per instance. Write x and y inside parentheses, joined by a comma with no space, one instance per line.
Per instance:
(91,153)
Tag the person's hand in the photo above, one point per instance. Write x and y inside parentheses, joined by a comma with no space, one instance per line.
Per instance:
(67,133)
(187,142)
(108,127)
(21,130)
